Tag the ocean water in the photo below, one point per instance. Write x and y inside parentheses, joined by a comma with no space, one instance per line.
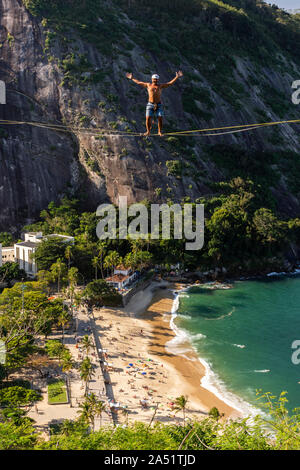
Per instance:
(244,337)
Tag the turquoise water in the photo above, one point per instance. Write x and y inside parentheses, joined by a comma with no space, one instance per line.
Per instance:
(245,334)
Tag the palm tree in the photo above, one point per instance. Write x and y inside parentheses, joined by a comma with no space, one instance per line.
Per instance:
(68,254)
(67,363)
(107,263)
(86,412)
(112,260)
(72,278)
(86,343)
(92,401)
(95,263)
(130,261)
(66,427)
(181,403)
(58,270)
(144,259)
(91,408)
(99,408)
(63,319)
(101,250)
(86,372)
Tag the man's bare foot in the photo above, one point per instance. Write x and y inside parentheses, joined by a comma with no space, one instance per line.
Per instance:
(146,134)
(160,134)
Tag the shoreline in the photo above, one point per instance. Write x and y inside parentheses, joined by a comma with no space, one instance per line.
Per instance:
(140,368)
(210,380)
(144,365)
(189,370)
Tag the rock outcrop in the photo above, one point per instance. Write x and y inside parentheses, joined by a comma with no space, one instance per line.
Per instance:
(38,165)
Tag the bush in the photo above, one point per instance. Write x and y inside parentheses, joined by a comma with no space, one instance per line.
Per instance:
(100,293)
(174,167)
(18,396)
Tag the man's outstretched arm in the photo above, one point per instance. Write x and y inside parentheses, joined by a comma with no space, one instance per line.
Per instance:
(171,82)
(130,77)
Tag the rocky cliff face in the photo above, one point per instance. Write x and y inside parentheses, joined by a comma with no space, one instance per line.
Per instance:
(63,79)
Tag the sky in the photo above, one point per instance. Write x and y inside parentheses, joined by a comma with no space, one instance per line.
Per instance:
(286,4)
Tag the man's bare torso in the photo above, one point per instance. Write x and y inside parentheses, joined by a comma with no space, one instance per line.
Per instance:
(154,92)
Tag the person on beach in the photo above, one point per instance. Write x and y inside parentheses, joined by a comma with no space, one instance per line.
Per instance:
(154,99)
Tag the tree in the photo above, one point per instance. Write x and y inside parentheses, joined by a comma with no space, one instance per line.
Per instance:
(24,314)
(268,228)
(214,413)
(55,348)
(130,261)
(99,409)
(101,251)
(95,262)
(49,251)
(17,437)
(101,293)
(59,272)
(86,412)
(180,405)
(92,408)
(72,279)
(53,311)
(39,362)
(10,272)
(18,396)
(68,254)
(87,343)
(44,279)
(112,260)
(67,361)
(86,372)
(144,259)
(6,239)
(63,319)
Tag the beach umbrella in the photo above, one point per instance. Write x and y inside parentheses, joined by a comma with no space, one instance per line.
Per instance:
(144,373)
(131,365)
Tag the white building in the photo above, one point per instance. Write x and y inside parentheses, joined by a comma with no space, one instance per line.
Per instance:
(122,277)
(24,251)
(7,253)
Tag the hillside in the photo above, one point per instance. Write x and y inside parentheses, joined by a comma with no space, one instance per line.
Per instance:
(64,62)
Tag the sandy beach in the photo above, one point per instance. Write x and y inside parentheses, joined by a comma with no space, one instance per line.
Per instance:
(144,375)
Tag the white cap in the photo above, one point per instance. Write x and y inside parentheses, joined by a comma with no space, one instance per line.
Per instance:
(155,76)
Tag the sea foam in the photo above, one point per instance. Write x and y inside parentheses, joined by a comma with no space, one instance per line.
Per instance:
(183,343)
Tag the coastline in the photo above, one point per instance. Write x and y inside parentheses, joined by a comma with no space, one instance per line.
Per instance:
(138,335)
(188,370)
(209,381)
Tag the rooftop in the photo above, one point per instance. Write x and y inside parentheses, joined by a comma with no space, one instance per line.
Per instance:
(27,244)
(117,278)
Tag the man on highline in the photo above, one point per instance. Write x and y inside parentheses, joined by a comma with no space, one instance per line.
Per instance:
(154,95)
